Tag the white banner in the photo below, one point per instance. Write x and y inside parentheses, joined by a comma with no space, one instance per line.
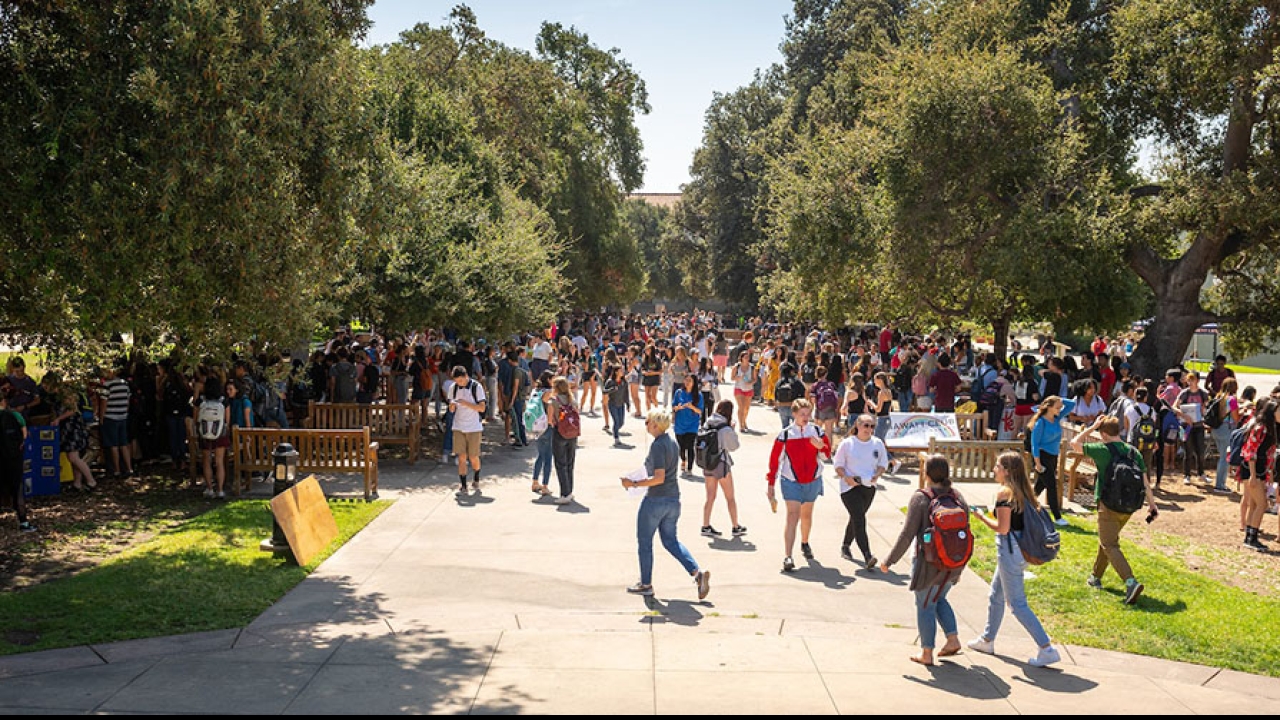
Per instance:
(913,430)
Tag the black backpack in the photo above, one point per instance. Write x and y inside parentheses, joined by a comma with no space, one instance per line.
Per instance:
(706,446)
(11,442)
(785,390)
(1124,490)
(1216,413)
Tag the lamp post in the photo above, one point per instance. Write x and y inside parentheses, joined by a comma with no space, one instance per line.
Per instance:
(284,474)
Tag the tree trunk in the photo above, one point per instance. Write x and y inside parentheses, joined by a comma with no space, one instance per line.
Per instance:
(1000,332)
(1167,338)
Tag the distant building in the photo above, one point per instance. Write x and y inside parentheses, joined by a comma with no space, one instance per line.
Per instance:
(666,200)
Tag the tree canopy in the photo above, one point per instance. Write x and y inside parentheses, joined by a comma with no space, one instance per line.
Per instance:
(220,172)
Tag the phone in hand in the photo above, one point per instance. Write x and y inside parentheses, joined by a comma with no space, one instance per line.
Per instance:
(978,509)
(1151,516)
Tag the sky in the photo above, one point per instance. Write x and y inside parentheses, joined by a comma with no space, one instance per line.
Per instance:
(684,51)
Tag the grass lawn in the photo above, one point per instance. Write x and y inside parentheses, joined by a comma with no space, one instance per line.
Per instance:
(1181,616)
(1204,367)
(206,574)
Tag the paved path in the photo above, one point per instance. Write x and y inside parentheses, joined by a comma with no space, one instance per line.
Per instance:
(506,603)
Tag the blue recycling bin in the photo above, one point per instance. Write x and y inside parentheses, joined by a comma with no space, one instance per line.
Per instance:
(41,470)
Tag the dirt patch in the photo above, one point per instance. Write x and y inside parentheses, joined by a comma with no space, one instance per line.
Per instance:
(1202,530)
(79,530)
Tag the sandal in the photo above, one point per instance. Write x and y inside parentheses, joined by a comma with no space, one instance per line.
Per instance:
(545,490)
(537,489)
(948,653)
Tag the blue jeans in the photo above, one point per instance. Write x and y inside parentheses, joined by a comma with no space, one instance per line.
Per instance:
(904,401)
(784,412)
(448,433)
(517,421)
(1221,439)
(660,515)
(1007,587)
(542,465)
(617,413)
(933,609)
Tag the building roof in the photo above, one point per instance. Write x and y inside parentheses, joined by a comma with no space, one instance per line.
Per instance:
(660,199)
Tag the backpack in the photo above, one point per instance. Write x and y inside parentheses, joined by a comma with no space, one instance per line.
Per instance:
(11,442)
(1144,436)
(785,390)
(1235,452)
(706,446)
(948,541)
(826,395)
(265,399)
(1124,491)
(211,422)
(1216,413)
(1039,541)
(990,397)
(568,422)
(535,416)
(300,393)
(920,385)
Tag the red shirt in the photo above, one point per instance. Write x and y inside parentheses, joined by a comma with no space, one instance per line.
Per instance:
(794,456)
(1099,347)
(944,384)
(886,340)
(1108,383)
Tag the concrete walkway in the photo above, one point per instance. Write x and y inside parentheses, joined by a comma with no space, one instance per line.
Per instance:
(507,603)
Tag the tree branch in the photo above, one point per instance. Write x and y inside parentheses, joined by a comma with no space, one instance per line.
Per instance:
(1146,191)
(1149,266)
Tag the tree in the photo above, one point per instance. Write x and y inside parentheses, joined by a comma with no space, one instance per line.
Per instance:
(1200,78)
(174,167)
(722,198)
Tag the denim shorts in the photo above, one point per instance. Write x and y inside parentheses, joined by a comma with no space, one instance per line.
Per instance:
(801,492)
(115,433)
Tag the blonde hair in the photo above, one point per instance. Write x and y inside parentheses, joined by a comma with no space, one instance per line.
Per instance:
(801,404)
(661,418)
(1018,481)
(560,384)
(1044,408)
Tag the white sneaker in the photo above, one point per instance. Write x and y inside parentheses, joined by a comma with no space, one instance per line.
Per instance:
(209,493)
(564,500)
(986,647)
(222,495)
(1046,656)
(1061,522)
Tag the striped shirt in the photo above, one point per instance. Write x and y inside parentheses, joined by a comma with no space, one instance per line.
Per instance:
(117,399)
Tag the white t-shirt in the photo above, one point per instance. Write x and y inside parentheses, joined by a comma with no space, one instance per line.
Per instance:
(464,418)
(860,459)
(580,341)
(542,351)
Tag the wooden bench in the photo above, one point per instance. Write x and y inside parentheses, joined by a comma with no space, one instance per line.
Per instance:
(323,451)
(971,460)
(973,426)
(1072,467)
(388,424)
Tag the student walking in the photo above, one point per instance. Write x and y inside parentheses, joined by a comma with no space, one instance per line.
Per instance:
(930,583)
(467,403)
(1046,443)
(795,459)
(719,479)
(543,444)
(1120,490)
(615,400)
(744,383)
(1014,501)
(686,403)
(565,426)
(860,460)
(660,509)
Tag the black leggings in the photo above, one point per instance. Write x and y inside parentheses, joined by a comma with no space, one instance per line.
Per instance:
(14,490)
(857,500)
(1048,480)
(1194,447)
(686,442)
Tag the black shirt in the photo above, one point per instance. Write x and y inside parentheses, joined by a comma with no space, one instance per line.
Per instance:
(1015,516)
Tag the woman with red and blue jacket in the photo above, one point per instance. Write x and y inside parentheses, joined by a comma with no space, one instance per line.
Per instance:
(796,459)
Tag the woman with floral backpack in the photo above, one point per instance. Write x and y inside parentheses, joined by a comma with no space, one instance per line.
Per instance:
(1259,453)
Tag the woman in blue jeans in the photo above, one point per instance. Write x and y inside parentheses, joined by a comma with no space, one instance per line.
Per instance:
(545,460)
(660,509)
(930,584)
(1222,433)
(1014,501)
(616,397)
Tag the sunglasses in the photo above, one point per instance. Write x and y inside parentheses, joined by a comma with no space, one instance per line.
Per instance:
(867,425)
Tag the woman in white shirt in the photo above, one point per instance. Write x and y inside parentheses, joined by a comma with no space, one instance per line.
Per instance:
(860,461)
(1088,403)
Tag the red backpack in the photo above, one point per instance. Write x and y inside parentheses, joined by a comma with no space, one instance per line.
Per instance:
(568,422)
(948,541)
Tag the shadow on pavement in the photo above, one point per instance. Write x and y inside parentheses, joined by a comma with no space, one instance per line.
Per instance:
(676,612)
(974,682)
(472,500)
(731,545)
(816,572)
